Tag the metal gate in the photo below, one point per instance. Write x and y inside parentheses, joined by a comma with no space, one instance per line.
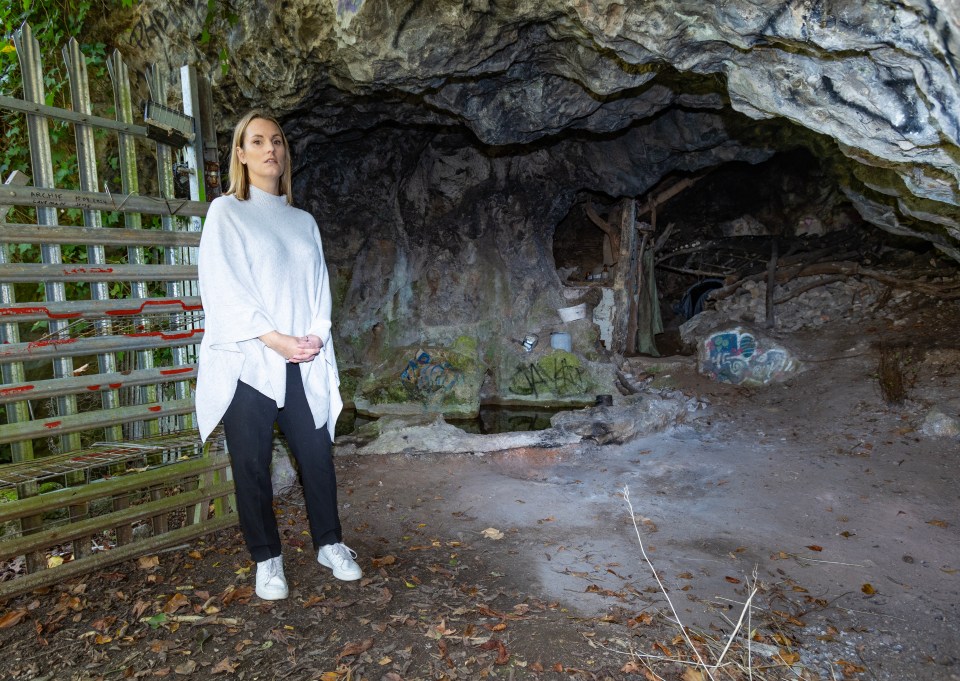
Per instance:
(99,460)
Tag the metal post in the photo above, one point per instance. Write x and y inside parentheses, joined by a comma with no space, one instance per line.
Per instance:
(128,174)
(31,67)
(158,93)
(10,333)
(87,163)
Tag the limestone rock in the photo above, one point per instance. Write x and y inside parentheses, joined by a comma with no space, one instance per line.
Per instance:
(443,438)
(941,422)
(631,418)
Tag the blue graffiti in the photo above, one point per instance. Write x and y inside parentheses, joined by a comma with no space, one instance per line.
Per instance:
(351,6)
(733,357)
(429,376)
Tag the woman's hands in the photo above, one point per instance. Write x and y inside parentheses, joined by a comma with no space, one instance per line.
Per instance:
(295,349)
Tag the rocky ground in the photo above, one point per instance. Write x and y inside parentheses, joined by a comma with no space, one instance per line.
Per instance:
(839,509)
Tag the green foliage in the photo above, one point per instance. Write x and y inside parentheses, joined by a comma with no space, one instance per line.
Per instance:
(53,24)
(218,9)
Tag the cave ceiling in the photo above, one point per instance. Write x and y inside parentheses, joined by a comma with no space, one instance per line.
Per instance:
(595,96)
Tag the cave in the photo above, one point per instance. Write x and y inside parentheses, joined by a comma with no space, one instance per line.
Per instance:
(463,164)
(571,205)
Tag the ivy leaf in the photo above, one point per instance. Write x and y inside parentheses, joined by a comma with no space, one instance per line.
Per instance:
(157,620)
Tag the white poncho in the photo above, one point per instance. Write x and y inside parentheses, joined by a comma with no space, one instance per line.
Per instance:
(262,269)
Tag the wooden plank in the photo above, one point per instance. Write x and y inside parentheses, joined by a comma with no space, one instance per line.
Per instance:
(44,389)
(98,561)
(160,475)
(79,347)
(16,233)
(13,104)
(72,272)
(121,203)
(39,541)
(97,309)
(89,420)
(625,275)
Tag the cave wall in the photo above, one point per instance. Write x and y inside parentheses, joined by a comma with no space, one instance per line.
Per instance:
(447,236)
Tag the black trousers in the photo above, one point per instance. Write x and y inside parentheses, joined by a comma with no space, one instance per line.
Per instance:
(248,425)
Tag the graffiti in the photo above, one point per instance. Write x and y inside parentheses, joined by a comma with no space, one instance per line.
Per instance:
(429,376)
(559,378)
(351,6)
(156,24)
(735,357)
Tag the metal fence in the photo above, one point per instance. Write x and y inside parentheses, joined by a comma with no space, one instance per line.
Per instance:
(99,460)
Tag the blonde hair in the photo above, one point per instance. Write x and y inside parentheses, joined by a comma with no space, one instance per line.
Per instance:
(239,178)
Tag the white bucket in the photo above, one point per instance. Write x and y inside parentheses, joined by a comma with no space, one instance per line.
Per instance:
(572,314)
(560,340)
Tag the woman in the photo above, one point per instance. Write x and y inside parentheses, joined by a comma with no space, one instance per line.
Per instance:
(267,355)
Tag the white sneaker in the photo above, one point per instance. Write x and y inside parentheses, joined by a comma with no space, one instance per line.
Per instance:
(340,559)
(271,584)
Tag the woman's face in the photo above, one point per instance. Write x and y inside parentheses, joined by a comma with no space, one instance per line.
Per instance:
(263,154)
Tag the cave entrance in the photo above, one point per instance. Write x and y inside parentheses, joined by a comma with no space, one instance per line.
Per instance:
(695,233)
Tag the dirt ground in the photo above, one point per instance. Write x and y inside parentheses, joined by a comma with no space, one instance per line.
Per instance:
(526,564)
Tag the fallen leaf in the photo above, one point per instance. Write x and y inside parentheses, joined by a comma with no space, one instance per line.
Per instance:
(815,547)
(12,618)
(685,575)
(196,555)
(868,589)
(849,668)
(355,648)
(386,560)
(156,620)
(631,667)
(240,594)
(789,618)
(939,523)
(781,639)
(148,562)
(789,657)
(54,561)
(492,533)
(642,618)
(177,601)
(187,668)
(663,649)
(732,580)
(502,655)
(224,666)
(691,674)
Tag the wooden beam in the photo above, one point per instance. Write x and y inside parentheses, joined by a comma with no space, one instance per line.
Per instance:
(122,203)
(11,233)
(611,233)
(625,275)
